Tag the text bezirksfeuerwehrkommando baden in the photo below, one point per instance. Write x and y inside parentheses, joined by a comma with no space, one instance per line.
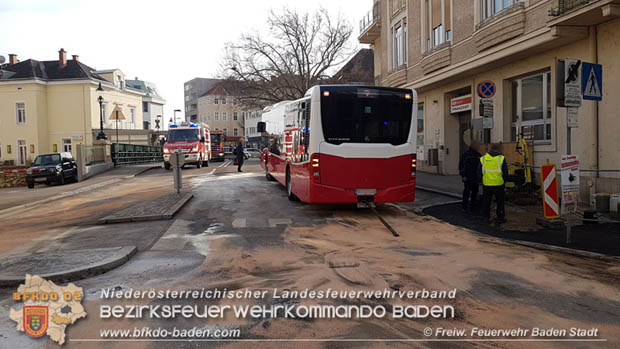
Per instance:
(321,311)
(276,293)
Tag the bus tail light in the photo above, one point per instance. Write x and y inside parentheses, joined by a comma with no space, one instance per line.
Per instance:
(315,172)
(414,167)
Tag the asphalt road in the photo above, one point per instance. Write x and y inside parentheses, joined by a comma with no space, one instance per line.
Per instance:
(240,231)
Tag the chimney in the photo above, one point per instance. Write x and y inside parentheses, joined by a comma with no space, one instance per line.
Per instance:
(62,57)
(12,58)
(76,57)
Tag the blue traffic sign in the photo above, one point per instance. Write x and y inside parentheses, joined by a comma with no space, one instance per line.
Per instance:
(486,89)
(592,81)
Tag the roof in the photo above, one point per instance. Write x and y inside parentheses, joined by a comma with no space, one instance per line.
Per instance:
(147,87)
(50,70)
(359,68)
(218,90)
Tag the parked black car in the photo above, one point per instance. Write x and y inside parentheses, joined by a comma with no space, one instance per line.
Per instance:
(54,167)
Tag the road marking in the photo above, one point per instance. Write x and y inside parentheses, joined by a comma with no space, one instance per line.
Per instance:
(226,163)
(273,222)
(240,223)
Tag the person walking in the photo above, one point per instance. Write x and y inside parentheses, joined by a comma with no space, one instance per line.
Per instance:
(468,169)
(493,170)
(238,152)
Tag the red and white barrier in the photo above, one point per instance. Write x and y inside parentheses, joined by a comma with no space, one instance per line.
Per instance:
(551,205)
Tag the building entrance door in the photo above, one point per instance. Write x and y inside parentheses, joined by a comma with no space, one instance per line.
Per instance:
(465,131)
(21,152)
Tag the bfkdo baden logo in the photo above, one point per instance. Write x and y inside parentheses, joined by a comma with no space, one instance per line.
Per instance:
(35,319)
(47,308)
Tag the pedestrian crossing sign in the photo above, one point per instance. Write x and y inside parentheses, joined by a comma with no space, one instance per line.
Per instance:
(592,81)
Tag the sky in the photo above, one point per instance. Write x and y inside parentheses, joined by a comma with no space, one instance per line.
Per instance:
(164,42)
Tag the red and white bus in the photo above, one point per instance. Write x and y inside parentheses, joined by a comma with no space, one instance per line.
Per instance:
(347,144)
(193,140)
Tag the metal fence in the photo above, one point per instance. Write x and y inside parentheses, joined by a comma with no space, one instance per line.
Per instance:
(95,154)
(565,6)
(370,18)
(131,154)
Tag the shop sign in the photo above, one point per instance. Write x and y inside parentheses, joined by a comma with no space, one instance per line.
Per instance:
(460,104)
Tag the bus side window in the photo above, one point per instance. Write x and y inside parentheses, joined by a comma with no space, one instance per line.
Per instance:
(306,130)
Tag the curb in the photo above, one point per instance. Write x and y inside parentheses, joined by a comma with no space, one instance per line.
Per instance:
(169,214)
(570,251)
(534,245)
(146,169)
(436,191)
(119,258)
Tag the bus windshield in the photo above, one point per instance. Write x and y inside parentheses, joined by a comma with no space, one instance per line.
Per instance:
(183,135)
(365,115)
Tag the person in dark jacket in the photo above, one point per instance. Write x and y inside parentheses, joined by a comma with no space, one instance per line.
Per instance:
(493,172)
(238,152)
(468,169)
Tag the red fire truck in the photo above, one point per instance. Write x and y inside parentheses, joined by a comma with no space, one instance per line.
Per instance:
(193,140)
(217,145)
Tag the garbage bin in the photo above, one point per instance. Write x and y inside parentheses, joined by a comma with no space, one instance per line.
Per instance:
(602,202)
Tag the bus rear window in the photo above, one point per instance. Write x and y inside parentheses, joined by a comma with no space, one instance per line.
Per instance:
(365,115)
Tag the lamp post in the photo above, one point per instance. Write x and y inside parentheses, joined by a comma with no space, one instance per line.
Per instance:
(101,135)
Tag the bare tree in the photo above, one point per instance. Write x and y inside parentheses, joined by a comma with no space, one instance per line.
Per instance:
(300,51)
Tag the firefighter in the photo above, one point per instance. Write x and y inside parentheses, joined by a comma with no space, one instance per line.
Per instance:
(238,152)
(468,169)
(492,171)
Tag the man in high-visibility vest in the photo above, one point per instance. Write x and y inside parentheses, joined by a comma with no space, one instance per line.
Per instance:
(493,171)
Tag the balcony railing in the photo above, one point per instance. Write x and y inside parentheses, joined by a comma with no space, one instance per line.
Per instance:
(373,16)
(565,6)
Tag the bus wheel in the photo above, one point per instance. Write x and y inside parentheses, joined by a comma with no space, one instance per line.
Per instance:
(289,187)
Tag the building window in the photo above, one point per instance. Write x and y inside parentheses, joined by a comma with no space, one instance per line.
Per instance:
(208,117)
(132,112)
(531,107)
(437,19)
(223,115)
(235,132)
(235,116)
(491,7)
(66,145)
(119,82)
(399,48)
(145,107)
(216,100)
(224,100)
(20,110)
(188,87)
(217,116)
(225,132)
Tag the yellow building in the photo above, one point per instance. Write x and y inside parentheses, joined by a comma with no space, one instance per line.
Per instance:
(446,49)
(49,106)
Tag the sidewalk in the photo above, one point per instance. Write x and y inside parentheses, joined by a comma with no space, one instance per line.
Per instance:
(447,185)
(14,198)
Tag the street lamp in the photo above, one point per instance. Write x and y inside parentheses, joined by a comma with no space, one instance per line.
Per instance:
(101,135)
(175,114)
